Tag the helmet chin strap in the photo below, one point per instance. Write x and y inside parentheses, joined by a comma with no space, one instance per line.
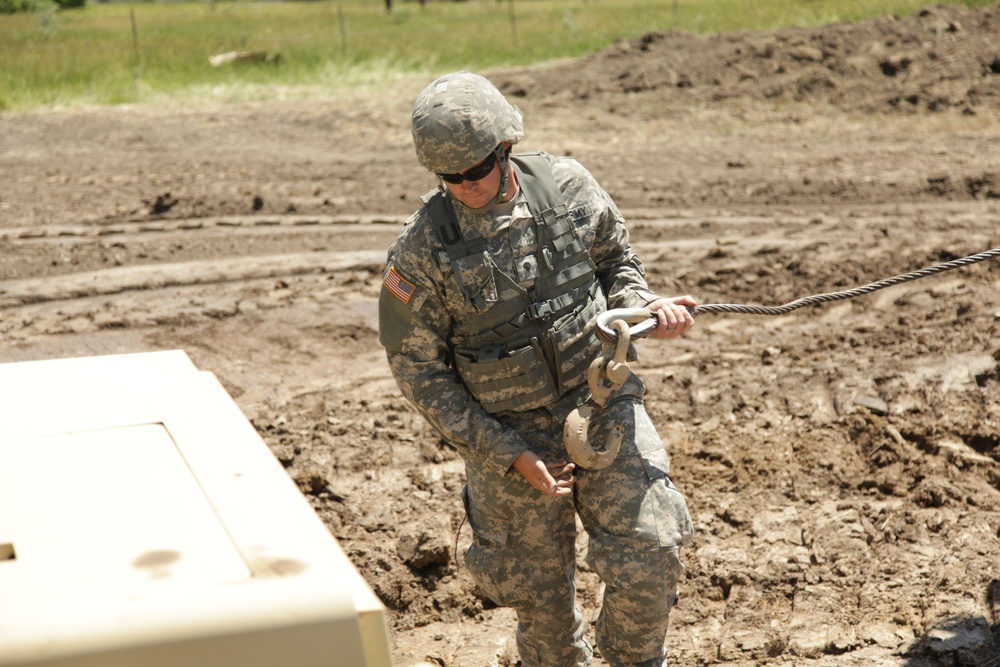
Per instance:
(503,159)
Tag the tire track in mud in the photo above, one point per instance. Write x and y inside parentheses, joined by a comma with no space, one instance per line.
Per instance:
(119,280)
(181,293)
(218,284)
(100,229)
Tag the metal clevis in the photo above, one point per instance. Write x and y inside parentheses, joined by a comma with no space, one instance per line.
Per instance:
(607,373)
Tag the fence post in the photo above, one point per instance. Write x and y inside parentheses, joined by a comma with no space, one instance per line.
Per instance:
(343,29)
(135,45)
(513,21)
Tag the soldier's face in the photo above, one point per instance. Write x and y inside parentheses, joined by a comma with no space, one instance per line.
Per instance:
(476,194)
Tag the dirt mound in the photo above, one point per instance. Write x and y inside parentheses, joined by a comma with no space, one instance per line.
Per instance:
(938,59)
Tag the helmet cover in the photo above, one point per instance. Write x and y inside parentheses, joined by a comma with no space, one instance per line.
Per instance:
(459,119)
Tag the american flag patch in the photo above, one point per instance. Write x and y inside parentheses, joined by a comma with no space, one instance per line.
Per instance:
(402,288)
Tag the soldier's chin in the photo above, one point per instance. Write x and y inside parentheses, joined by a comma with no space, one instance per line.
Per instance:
(475,201)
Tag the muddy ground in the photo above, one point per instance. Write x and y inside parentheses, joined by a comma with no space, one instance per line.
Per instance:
(842,461)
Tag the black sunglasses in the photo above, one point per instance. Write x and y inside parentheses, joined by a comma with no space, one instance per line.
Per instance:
(477,173)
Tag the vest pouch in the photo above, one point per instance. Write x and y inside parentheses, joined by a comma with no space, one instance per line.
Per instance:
(519,380)
(576,345)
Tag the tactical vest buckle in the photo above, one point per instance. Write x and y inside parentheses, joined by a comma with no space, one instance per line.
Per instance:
(489,353)
(539,310)
(547,257)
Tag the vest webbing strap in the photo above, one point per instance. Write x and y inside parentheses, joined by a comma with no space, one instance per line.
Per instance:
(553,308)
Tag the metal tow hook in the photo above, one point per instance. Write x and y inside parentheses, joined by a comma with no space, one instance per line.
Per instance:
(606,375)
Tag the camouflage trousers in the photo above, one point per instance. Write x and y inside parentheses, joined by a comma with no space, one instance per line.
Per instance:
(523,553)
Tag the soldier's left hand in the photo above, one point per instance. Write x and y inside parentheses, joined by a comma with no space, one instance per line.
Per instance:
(672,315)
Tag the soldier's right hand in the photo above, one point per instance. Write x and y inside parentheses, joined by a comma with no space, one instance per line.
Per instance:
(552,479)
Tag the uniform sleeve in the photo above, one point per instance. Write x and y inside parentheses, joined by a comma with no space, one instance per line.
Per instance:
(413,328)
(618,268)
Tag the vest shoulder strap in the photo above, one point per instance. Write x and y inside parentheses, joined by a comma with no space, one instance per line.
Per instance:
(442,215)
(535,176)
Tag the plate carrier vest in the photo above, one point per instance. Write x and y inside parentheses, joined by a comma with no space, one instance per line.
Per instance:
(529,348)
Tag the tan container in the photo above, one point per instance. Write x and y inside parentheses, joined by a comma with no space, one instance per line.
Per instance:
(144,523)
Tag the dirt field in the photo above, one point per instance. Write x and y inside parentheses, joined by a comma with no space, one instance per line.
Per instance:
(842,462)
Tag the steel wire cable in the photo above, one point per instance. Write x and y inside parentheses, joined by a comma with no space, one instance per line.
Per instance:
(846,294)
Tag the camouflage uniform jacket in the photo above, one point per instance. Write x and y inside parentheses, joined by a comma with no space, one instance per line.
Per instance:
(421,302)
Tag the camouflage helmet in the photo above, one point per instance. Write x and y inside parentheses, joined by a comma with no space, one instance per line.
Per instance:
(459,119)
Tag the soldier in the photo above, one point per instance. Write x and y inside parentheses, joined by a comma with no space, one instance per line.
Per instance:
(487,314)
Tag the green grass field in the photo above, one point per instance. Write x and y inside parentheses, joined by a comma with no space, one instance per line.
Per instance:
(135,52)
